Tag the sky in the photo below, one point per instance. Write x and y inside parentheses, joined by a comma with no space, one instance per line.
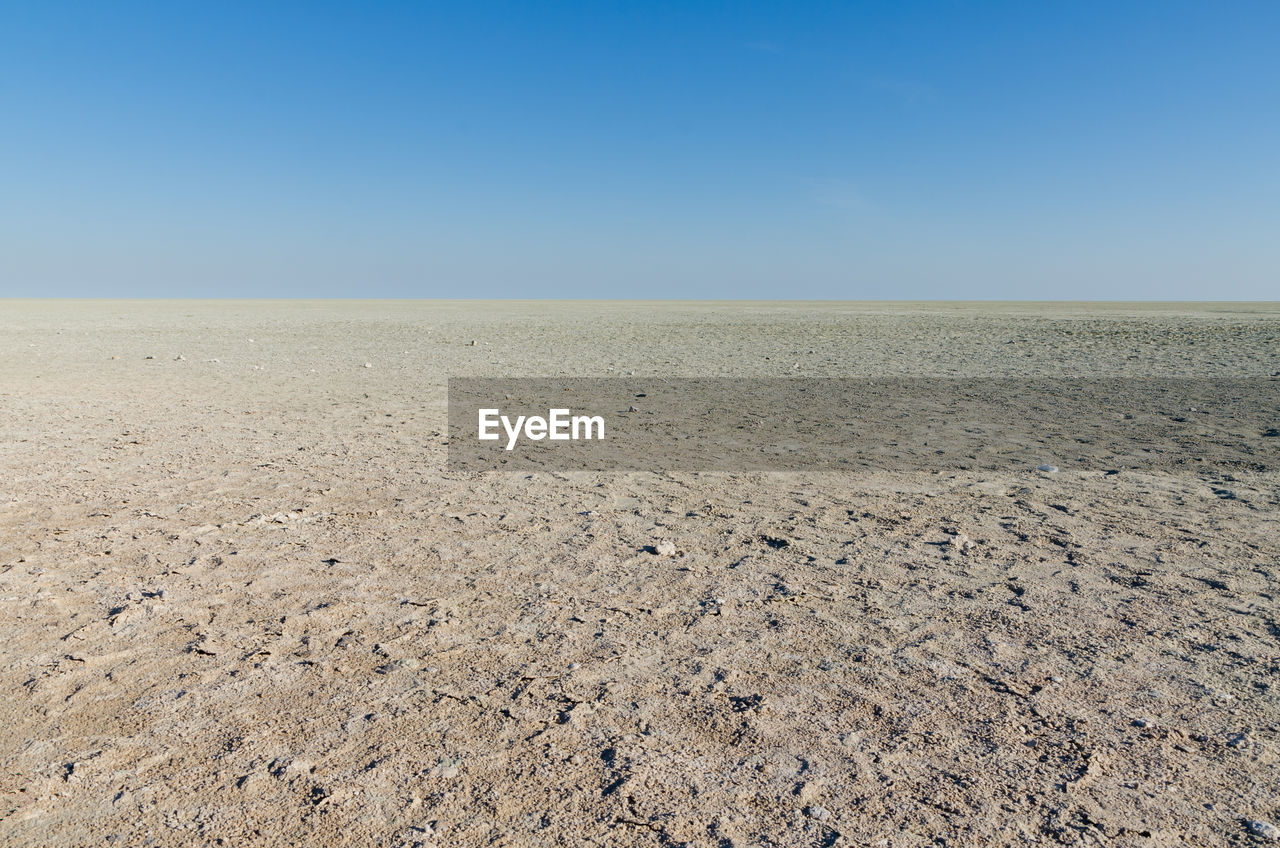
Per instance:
(857,150)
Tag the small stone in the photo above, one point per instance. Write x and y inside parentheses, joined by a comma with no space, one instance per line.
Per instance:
(368,365)
(819,813)
(1047,469)
(179,358)
(115,357)
(299,768)
(664,548)
(148,357)
(473,343)
(446,768)
(1264,829)
(632,409)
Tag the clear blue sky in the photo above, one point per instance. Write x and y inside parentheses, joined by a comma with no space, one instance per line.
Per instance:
(1041,150)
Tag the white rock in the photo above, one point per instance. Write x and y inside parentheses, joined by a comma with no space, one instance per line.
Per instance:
(299,768)
(1264,829)
(1048,469)
(665,547)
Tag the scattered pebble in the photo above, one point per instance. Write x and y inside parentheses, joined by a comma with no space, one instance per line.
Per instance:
(368,365)
(819,813)
(664,548)
(1264,829)
(1047,469)
(632,409)
(473,343)
(179,358)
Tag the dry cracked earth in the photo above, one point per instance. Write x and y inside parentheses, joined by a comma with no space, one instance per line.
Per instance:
(243,602)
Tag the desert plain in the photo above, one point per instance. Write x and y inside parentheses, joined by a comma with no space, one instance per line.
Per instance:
(243,601)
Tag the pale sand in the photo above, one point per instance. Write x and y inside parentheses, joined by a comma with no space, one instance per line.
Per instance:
(242,603)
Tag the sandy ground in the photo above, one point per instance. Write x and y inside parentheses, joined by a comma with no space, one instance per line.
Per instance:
(243,603)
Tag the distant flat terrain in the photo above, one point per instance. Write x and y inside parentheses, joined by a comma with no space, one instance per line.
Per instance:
(242,601)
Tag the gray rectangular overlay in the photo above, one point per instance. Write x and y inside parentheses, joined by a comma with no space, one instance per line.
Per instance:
(887,424)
